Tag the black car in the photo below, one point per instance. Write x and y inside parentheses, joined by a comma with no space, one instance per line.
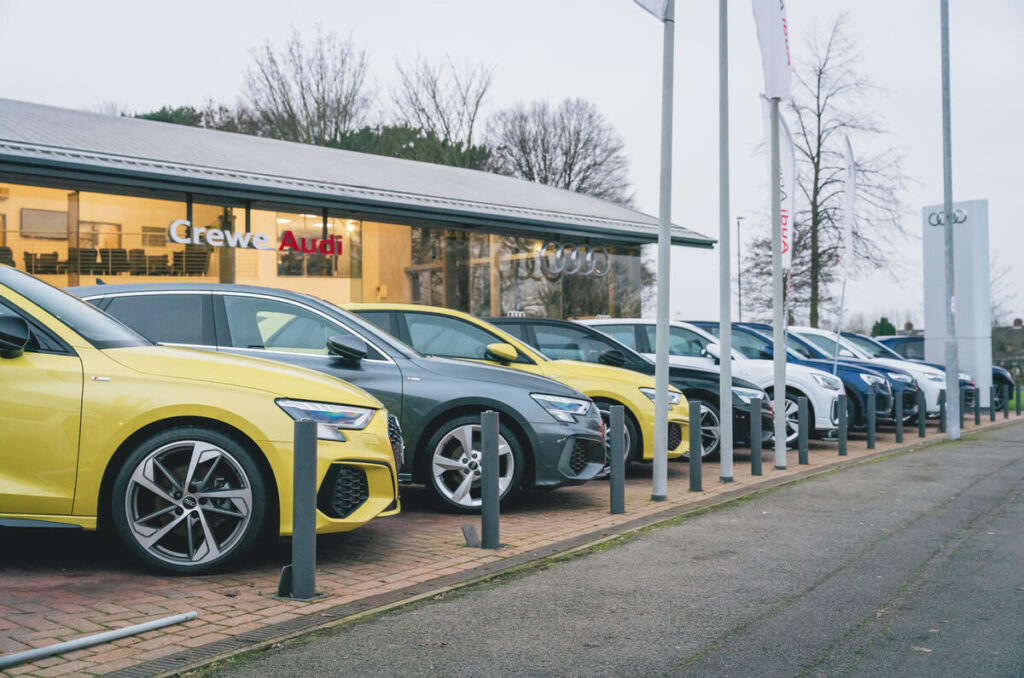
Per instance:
(550,435)
(563,339)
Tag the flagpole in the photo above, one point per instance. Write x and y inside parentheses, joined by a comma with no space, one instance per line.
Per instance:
(659,485)
(724,274)
(952,357)
(778,336)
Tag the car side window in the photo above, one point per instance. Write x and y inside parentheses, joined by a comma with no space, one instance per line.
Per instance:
(569,343)
(682,342)
(797,347)
(824,343)
(165,318)
(748,344)
(624,334)
(382,319)
(36,341)
(448,337)
(913,349)
(273,325)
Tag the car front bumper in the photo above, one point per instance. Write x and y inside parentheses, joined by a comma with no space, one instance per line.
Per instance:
(567,454)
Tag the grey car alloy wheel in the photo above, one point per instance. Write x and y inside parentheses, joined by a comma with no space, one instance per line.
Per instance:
(456,470)
(188,503)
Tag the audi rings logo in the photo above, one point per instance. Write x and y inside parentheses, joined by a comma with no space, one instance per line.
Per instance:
(554,260)
(939,219)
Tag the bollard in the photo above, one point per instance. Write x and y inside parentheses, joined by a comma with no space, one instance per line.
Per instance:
(298,580)
(695,460)
(963,405)
(942,411)
(992,403)
(801,406)
(489,493)
(755,436)
(1017,400)
(617,464)
(922,414)
(843,423)
(871,420)
(977,406)
(1006,401)
(899,418)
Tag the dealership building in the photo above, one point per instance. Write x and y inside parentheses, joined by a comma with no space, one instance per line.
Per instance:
(88,198)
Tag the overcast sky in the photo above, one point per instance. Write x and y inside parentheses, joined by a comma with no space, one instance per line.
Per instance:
(146,55)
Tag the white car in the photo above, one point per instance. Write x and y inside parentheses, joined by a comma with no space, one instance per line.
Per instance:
(691,346)
(931,380)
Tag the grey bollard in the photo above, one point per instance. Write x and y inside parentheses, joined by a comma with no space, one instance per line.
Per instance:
(843,423)
(695,457)
(801,404)
(1006,401)
(617,463)
(298,580)
(963,405)
(898,405)
(871,420)
(977,406)
(942,411)
(1016,400)
(992,403)
(489,493)
(922,414)
(755,436)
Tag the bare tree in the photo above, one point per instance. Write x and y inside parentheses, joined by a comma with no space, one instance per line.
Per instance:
(313,92)
(571,146)
(443,99)
(826,108)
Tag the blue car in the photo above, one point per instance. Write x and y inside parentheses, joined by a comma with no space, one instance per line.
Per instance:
(912,348)
(755,341)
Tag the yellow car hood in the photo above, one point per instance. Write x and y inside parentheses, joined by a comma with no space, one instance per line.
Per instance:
(576,368)
(232,370)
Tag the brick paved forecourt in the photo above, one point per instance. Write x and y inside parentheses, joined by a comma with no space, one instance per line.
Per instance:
(58,585)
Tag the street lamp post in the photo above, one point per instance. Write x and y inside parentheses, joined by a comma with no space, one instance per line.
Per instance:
(739,271)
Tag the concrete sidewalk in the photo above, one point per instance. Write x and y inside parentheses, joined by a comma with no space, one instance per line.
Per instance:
(907,566)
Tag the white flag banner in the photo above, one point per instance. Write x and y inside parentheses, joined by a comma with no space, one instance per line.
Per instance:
(849,206)
(787,178)
(656,7)
(773,36)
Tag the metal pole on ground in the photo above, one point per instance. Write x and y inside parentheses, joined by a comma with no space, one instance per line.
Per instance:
(952,355)
(871,420)
(659,484)
(801,402)
(1016,400)
(899,418)
(696,481)
(992,403)
(755,436)
(977,406)
(942,411)
(963,405)
(724,276)
(617,463)
(778,319)
(843,423)
(1006,401)
(298,580)
(489,493)
(922,414)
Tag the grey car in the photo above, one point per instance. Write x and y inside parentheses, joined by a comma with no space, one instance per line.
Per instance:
(550,435)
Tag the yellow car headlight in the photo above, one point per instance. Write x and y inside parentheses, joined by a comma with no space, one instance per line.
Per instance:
(674,397)
(330,418)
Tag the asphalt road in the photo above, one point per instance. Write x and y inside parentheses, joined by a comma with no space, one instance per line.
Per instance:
(910,566)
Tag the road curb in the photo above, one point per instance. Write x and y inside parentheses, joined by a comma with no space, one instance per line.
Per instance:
(343,613)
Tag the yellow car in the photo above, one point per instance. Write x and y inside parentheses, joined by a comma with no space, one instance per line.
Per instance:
(186,454)
(452,334)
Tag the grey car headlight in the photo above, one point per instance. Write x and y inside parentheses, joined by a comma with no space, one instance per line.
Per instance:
(938,377)
(748,394)
(829,382)
(902,378)
(874,380)
(562,408)
(330,418)
(674,397)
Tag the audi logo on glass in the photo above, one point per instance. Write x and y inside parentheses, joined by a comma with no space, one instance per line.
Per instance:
(255,241)
(938,218)
(553,260)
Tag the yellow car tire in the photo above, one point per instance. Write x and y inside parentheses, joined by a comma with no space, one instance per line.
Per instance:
(633,438)
(189,500)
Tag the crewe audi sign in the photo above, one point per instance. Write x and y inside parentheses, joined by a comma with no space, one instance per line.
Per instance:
(554,260)
(182,231)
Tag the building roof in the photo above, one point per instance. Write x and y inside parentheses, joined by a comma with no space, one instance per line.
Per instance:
(60,142)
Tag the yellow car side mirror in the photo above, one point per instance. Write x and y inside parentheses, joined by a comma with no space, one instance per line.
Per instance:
(502,352)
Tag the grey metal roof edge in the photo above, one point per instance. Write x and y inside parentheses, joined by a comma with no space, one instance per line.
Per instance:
(94,162)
